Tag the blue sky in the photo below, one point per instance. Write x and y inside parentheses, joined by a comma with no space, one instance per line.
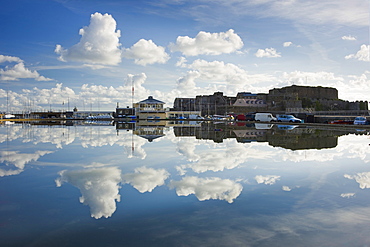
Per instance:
(91,53)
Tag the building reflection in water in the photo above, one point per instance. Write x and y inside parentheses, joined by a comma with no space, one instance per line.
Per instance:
(285,136)
(277,135)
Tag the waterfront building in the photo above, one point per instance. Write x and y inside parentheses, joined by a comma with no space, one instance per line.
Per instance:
(184,104)
(150,108)
(292,99)
(125,112)
(183,114)
(216,104)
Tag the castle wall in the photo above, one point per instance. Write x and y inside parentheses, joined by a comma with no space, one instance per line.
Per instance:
(306,92)
(278,99)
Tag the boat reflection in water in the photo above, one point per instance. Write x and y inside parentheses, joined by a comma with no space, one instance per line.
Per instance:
(168,183)
(286,136)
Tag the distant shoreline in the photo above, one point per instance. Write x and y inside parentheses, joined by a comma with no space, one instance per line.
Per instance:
(192,120)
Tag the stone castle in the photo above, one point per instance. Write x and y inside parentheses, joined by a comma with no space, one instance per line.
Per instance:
(291,99)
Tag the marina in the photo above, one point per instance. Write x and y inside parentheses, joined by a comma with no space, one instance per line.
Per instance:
(83,183)
(184,123)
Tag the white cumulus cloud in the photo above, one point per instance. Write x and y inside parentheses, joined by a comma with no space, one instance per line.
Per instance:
(186,84)
(208,43)
(146,179)
(348,37)
(208,188)
(10,59)
(181,62)
(268,52)
(362,55)
(99,43)
(223,74)
(321,78)
(287,44)
(137,81)
(218,70)
(99,188)
(19,71)
(84,96)
(146,52)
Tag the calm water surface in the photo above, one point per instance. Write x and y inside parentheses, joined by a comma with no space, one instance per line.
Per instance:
(198,184)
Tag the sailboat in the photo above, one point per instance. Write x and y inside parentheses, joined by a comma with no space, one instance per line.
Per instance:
(7,114)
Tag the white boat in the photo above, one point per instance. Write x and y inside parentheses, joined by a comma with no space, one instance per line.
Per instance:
(8,116)
(220,117)
(99,117)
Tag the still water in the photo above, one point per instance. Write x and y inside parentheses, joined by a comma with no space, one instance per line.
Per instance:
(183,184)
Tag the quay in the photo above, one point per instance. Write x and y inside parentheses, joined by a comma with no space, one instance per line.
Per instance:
(184,121)
(313,105)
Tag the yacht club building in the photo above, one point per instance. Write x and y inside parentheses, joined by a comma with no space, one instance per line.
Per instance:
(150,108)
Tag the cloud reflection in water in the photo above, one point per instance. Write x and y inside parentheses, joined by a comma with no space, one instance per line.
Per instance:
(17,160)
(99,188)
(363,179)
(146,179)
(208,188)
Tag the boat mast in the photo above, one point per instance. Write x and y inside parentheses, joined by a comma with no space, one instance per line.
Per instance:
(132,93)
(7,101)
